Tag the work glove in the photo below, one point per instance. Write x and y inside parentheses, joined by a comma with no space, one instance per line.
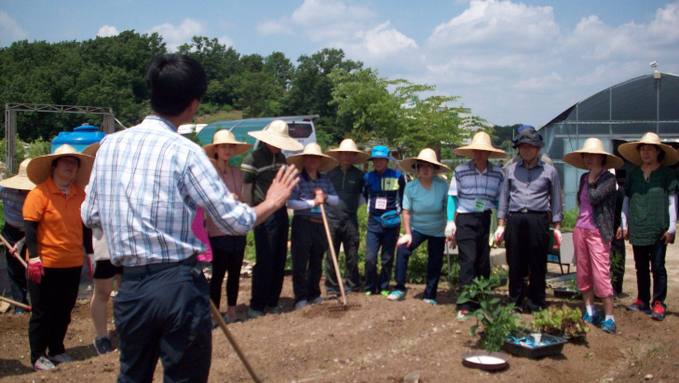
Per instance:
(19,246)
(35,270)
(90,265)
(406,239)
(499,234)
(557,237)
(450,230)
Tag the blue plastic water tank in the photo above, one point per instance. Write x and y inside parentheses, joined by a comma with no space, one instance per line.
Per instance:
(80,138)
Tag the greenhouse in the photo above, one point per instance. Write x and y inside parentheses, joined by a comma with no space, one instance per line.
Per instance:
(621,113)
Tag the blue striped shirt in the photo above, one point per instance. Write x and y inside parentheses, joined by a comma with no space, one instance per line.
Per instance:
(144,188)
(13,204)
(301,199)
(468,185)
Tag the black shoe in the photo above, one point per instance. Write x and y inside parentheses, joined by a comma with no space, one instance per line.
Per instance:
(103,345)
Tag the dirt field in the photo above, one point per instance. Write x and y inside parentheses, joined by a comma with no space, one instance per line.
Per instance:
(382,342)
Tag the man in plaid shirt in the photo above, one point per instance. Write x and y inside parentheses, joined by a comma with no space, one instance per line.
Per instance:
(145,186)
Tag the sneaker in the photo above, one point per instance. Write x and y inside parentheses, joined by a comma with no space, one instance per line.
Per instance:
(230,320)
(332,296)
(430,301)
(658,311)
(103,345)
(462,315)
(593,319)
(609,326)
(385,293)
(273,310)
(60,358)
(43,364)
(252,314)
(396,296)
(301,304)
(316,301)
(640,306)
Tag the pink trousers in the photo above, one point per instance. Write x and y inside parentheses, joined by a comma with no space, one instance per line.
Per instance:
(593,259)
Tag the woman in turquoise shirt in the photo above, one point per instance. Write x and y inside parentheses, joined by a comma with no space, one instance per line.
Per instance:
(424,219)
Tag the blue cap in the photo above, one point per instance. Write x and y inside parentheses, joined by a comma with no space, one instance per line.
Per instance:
(380,152)
(524,127)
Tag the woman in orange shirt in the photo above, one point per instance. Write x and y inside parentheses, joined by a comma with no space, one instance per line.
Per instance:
(54,238)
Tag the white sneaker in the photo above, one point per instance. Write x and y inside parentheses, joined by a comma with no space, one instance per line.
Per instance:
(60,358)
(301,304)
(43,364)
(317,301)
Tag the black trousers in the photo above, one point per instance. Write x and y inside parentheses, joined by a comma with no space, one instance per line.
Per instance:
(472,238)
(271,247)
(164,315)
(655,256)
(618,267)
(227,256)
(18,283)
(51,303)
(308,245)
(344,233)
(527,242)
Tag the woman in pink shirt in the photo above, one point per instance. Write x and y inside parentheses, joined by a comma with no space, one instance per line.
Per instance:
(227,250)
(593,231)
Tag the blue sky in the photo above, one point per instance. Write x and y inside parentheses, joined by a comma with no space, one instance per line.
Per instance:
(509,61)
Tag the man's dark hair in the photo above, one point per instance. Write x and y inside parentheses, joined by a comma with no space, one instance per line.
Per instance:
(174,82)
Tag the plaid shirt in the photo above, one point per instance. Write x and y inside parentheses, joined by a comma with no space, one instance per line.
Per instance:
(145,185)
(468,185)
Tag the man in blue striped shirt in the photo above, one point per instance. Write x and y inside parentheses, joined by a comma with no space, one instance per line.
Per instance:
(144,189)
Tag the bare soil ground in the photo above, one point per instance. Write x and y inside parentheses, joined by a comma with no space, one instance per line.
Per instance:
(382,342)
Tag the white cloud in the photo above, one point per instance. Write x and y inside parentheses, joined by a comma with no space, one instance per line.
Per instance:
(226,41)
(330,20)
(383,41)
(175,36)
(107,30)
(269,28)
(10,31)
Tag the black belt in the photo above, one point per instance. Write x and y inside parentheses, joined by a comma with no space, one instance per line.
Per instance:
(525,210)
(149,269)
(310,219)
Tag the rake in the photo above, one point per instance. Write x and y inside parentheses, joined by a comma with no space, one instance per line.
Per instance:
(343,306)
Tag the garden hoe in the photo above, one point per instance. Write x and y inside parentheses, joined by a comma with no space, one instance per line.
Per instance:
(15,303)
(344,306)
(10,248)
(220,321)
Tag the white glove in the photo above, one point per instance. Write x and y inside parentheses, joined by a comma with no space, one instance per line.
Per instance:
(406,239)
(450,229)
(499,234)
(19,246)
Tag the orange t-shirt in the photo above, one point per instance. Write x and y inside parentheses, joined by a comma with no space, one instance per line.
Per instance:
(60,228)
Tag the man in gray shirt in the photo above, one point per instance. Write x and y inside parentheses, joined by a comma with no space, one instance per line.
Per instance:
(530,192)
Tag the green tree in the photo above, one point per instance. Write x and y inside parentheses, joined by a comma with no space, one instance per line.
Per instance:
(503,135)
(279,67)
(257,94)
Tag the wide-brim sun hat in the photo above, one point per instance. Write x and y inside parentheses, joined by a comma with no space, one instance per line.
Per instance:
(19,181)
(426,155)
(91,150)
(480,141)
(277,134)
(380,151)
(349,146)
(631,153)
(312,149)
(592,146)
(225,137)
(40,168)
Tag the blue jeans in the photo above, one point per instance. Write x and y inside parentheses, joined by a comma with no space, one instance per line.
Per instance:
(376,237)
(655,255)
(435,247)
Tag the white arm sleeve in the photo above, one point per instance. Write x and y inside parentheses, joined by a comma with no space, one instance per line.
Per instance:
(333,200)
(673,214)
(623,215)
(296,204)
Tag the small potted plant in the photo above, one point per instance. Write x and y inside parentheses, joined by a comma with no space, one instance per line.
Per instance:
(566,323)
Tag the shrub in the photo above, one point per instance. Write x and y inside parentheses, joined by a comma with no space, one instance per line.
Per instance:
(569,218)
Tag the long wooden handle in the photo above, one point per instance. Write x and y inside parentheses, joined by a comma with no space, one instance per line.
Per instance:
(218,318)
(11,250)
(15,303)
(331,247)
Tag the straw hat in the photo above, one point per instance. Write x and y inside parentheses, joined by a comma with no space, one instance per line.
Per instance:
(426,155)
(19,181)
(480,141)
(225,137)
(631,154)
(92,149)
(349,146)
(40,168)
(592,146)
(276,134)
(313,149)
